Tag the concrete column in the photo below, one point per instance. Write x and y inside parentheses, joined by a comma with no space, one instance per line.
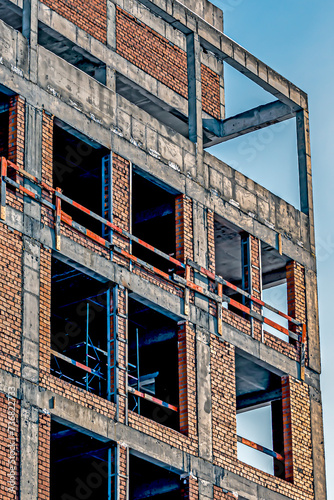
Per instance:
(30,296)
(204,403)
(200,232)
(111,42)
(312,320)
(30,31)
(305,171)
(195,99)
(31,249)
(205,490)
(28,452)
(318,450)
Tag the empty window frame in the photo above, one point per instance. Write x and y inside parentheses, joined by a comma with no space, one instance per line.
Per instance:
(81,466)
(78,169)
(232,259)
(153,219)
(149,480)
(274,287)
(80,326)
(259,410)
(153,364)
(72,53)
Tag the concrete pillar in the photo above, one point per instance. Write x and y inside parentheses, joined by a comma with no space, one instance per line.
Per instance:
(30,31)
(305,171)
(28,452)
(111,42)
(195,99)
(30,323)
(200,231)
(204,403)
(318,451)
(205,490)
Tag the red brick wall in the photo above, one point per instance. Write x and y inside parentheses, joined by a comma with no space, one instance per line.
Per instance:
(44,431)
(10,299)
(9,447)
(220,494)
(16,130)
(89,16)
(287,430)
(301,435)
(224,428)
(148,50)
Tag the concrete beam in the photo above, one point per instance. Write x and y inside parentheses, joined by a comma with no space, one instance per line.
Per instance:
(249,121)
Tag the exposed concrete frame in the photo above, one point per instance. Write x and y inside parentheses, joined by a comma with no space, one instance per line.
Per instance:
(183,19)
(157,298)
(79,417)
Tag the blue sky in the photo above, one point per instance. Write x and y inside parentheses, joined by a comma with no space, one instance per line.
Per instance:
(296,38)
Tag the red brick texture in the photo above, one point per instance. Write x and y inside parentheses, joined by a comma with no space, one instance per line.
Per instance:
(183,380)
(287,430)
(44,431)
(16,130)
(155,55)
(9,447)
(224,430)
(220,494)
(89,16)
(10,299)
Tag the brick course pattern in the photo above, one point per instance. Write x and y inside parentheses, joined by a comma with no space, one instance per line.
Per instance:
(10,299)
(155,55)
(89,16)
(296,408)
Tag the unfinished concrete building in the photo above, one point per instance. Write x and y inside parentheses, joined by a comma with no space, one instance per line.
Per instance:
(135,329)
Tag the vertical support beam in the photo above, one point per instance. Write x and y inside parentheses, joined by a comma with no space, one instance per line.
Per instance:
(318,451)
(205,490)
(31,250)
(28,452)
(111,42)
(200,242)
(305,171)
(204,402)
(195,99)
(30,31)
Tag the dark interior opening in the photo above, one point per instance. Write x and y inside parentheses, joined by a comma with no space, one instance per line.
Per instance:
(79,322)
(11,14)
(153,220)
(72,53)
(153,359)
(258,387)
(77,170)
(4,124)
(81,466)
(232,259)
(148,480)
